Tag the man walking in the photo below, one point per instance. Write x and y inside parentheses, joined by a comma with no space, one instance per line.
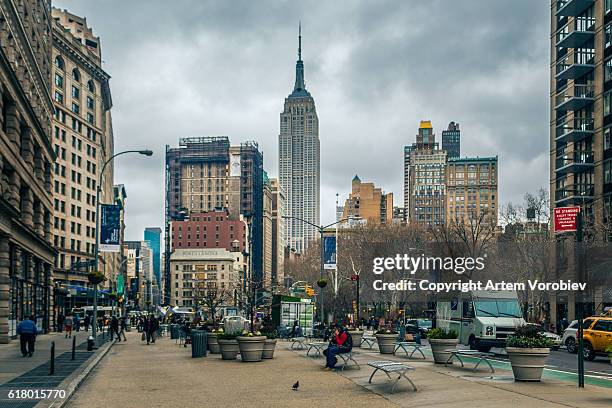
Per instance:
(114,327)
(68,322)
(87,322)
(123,327)
(151,326)
(27,335)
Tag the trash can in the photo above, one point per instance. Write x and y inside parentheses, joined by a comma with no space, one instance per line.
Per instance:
(174,331)
(198,343)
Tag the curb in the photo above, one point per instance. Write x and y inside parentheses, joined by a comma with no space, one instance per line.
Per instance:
(74,384)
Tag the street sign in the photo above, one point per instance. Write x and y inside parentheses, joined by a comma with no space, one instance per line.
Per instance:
(110,229)
(565,219)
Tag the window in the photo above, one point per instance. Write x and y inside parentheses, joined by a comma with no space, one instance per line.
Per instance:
(59,80)
(608,35)
(608,70)
(91,87)
(607,100)
(90,103)
(75,92)
(607,170)
(76,75)
(607,6)
(75,108)
(607,138)
(59,98)
(90,118)
(59,62)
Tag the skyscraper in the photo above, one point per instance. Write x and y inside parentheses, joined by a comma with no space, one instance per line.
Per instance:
(153,236)
(451,140)
(299,161)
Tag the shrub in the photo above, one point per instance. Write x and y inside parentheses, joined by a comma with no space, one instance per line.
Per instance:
(528,336)
(386,330)
(227,336)
(270,335)
(321,283)
(96,277)
(438,333)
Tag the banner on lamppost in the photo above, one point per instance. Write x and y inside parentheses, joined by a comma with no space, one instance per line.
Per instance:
(329,252)
(110,228)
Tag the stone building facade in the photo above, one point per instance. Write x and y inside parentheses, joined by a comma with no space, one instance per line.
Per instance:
(26,158)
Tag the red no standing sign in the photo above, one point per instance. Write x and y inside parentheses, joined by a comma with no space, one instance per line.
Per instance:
(565,219)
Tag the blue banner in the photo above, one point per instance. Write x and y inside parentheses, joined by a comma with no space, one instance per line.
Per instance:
(329,252)
(110,228)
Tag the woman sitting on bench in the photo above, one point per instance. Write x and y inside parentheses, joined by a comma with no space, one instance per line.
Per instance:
(341,342)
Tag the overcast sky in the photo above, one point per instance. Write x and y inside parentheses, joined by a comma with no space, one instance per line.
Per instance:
(375,69)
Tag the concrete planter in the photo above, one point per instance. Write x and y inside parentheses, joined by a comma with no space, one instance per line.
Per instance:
(527,363)
(386,343)
(229,349)
(213,343)
(268,350)
(357,336)
(251,348)
(439,347)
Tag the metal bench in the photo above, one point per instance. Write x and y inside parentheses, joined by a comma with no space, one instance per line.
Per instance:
(318,347)
(480,355)
(368,340)
(389,367)
(346,358)
(299,341)
(406,345)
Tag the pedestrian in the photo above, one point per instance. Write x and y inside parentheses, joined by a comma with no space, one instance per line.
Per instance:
(68,322)
(122,327)
(87,322)
(60,323)
(100,324)
(27,330)
(77,323)
(114,328)
(151,326)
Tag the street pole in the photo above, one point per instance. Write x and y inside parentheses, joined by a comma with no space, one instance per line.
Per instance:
(322,271)
(97,241)
(581,259)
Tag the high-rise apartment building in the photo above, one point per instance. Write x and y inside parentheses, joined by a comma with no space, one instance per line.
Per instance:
(267,231)
(451,140)
(471,191)
(368,203)
(581,107)
(278,234)
(207,173)
(83,141)
(424,175)
(26,165)
(153,236)
(299,161)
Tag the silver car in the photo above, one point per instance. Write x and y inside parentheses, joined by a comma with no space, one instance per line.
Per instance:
(569,337)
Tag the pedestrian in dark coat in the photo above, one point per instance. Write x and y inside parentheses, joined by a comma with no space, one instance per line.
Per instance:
(27,330)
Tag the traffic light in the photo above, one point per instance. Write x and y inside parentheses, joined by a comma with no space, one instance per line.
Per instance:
(310,291)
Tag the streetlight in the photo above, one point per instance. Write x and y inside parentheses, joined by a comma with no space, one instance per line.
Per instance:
(147,153)
(321,229)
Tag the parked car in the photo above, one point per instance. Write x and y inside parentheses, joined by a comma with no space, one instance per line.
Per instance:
(422,325)
(569,337)
(555,339)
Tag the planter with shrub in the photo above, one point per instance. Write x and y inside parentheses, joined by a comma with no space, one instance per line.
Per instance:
(440,341)
(269,346)
(213,341)
(386,340)
(527,351)
(228,345)
(357,335)
(251,346)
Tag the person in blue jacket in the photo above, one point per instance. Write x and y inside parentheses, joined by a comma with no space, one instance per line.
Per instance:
(27,330)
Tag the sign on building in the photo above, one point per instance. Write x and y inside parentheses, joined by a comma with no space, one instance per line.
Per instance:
(329,252)
(235,170)
(565,219)
(110,228)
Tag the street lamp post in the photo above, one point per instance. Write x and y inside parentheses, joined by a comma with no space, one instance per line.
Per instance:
(97,242)
(321,229)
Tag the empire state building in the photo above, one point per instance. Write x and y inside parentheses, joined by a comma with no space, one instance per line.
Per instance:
(299,161)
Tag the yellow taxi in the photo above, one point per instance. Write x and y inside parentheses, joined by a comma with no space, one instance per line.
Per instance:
(597,336)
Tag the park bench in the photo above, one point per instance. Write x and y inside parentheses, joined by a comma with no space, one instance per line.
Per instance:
(346,358)
(406,346)
(317,346)
(480,355)
(299,341)
(392,367)
(368,340)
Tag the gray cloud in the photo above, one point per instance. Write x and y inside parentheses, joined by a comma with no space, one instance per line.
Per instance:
(190,68)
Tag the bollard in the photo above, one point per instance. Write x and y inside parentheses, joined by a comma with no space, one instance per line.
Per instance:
(73,346)
(90,343)
(52,362)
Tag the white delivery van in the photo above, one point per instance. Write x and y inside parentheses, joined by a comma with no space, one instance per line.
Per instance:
(483,319)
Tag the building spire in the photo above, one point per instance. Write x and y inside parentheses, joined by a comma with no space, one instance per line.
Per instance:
(299,66)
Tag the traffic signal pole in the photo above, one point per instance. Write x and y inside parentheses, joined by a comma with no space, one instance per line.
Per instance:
(581,259)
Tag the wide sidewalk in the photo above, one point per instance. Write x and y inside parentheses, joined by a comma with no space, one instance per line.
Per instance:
(164,374)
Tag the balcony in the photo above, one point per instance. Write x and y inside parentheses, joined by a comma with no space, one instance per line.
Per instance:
(572,8)
(575,194)
(574,130)
(574,162)
(573,70)
(583,31)
(575,98)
